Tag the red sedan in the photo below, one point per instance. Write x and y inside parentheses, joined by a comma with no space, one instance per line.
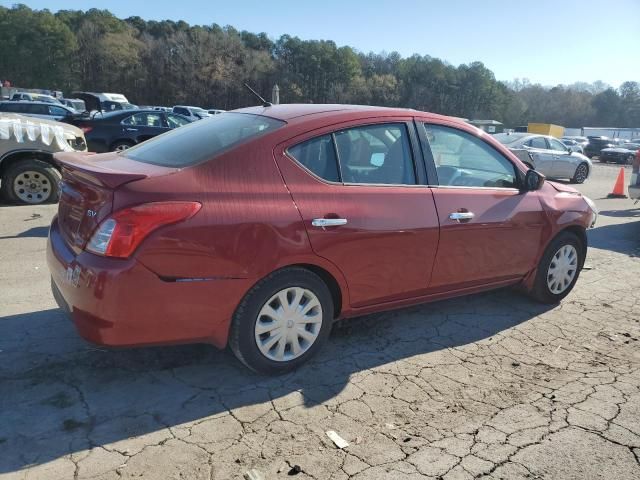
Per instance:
(260,227)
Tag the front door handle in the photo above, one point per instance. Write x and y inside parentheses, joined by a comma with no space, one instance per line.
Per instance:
(461,216)
(328,222)
(132,129)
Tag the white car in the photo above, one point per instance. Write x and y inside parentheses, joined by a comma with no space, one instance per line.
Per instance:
(547,155)
(192,113)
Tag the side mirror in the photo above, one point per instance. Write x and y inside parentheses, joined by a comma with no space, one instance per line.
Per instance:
(533,180)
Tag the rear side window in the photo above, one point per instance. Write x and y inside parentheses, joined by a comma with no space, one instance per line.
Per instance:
(378,154)
(144,120)
(319,156)
(537,142)
(202,140)
(372,154)
(57,111)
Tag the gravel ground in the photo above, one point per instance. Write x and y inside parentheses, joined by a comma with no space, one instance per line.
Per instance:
(490,385)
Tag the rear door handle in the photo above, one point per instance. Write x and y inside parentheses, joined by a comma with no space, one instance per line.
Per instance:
(132,129)
(461,216)
(328,222)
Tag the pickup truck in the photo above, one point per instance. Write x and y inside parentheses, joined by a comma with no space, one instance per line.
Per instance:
(28,172)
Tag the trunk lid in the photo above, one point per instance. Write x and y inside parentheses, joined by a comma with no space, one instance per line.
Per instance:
(89,183)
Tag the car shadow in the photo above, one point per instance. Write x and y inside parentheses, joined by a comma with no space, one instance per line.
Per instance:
(35,232)
(620,237)
(628,213)
(61,395)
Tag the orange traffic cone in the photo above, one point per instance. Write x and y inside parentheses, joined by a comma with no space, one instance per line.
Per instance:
(618,188)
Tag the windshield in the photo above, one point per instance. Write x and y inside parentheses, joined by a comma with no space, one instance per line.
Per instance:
(202,140)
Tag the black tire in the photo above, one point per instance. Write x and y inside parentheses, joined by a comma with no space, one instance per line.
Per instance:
(50,181)
(581,173)
(242,340)
(121,145)
(541,291)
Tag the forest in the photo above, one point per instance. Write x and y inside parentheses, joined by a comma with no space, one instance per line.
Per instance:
(171,62)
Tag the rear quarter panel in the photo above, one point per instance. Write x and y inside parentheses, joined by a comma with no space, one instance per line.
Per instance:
(248,226)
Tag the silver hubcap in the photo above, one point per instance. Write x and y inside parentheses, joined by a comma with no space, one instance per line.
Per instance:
(32,187)
(122,147)
(288,324)
(581,173)
(563,269)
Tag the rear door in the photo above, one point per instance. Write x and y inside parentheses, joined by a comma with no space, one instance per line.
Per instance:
(489,230)
(366,206)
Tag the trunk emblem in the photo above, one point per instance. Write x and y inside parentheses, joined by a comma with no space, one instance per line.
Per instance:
(91,213)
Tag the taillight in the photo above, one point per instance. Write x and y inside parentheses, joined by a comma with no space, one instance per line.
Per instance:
(122,232)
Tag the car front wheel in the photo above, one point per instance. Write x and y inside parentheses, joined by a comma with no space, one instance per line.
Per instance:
(558,269)
(581,174)
(282,321)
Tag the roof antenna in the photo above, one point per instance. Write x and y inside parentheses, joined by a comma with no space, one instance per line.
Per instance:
(262,100)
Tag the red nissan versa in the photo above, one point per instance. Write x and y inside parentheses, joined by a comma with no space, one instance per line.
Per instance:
(258,228)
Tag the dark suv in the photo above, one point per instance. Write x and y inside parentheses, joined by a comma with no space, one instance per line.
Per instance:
(596,144)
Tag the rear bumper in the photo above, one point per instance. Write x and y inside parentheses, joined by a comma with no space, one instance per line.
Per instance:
(122,303)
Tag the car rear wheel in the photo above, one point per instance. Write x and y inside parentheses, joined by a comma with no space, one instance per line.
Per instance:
(558,269)
(121,146)
(582,172)
(31,182)
(282,321)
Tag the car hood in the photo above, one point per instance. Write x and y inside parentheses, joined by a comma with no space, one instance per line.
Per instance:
(562,188)
(18,132)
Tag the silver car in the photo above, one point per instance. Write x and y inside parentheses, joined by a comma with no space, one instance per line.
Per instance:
(547,155)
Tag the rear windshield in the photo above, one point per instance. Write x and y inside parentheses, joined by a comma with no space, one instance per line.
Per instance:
(202,140)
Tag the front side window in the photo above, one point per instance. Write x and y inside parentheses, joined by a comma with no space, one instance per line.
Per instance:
(202,140)
(376,154)
(176,121)
(556,145)
(537,142)
(36,109)
(466,161)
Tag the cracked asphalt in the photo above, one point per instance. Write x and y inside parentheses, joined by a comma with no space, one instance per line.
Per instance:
(491,385)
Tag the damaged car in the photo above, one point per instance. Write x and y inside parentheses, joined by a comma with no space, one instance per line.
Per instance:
(28,172)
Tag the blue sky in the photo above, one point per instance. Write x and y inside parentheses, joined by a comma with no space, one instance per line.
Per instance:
(546,41)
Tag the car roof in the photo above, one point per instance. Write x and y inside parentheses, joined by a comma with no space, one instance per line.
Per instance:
(296,111)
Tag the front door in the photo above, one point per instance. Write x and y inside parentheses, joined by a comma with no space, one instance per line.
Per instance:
(366,213)
(489,230)
(564,164)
